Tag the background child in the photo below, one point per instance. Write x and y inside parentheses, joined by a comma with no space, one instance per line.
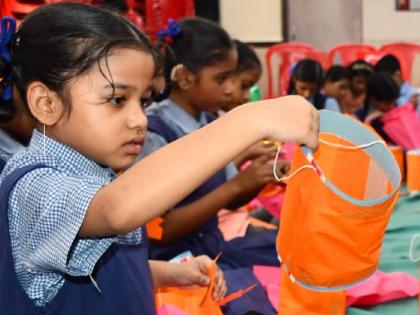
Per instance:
(360,72)
(390,64)
(382,92)
(69,228)
(336,82)
(15,129)
(247,73)
(306,81)
(200,83)
(197,69)
(337,86)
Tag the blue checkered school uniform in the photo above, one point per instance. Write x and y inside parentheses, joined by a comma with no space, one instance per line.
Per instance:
(8,147)
(45,268)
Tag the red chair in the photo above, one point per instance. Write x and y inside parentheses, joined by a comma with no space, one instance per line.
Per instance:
(288,54)
(158,12)
(405,52)
(350,52)
(20,8)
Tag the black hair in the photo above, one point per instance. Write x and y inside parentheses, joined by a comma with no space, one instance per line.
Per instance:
(389,64)
(247,58)
(58,42)
(307,70)
(382,87)
(336,73)
(360,68)
(119,6)
(200,43)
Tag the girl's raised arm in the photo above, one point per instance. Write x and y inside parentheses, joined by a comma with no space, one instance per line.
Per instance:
(160,180)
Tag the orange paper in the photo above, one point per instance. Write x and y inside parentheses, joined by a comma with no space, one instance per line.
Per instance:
(413,171)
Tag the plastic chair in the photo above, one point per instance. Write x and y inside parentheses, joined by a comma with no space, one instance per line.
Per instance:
(159,11)
(20,8)
(350,52)
(405,52)
(288,53)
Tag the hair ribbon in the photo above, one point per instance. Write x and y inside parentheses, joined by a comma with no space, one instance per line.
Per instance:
(8,27)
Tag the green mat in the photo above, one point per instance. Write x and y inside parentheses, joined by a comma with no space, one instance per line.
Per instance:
(404,223)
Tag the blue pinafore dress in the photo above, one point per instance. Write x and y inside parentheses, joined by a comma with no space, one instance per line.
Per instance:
(122,275)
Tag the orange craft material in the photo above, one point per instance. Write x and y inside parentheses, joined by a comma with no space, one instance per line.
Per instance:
(413,171)
(196,301)
(155,229)
(398,154)
(337,205)
(295,299)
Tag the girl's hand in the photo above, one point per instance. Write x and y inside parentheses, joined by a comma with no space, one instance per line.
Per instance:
(286,119)
(258,149)
(194,273)
(249,182)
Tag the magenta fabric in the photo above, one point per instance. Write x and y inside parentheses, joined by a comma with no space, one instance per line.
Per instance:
(402,126)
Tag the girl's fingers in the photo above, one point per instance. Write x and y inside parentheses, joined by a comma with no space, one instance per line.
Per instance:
(220,286)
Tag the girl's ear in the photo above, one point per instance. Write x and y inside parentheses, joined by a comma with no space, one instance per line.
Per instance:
(183,77)
(45,105)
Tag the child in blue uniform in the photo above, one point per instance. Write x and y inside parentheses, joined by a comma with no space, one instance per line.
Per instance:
(71,233)
(199,82)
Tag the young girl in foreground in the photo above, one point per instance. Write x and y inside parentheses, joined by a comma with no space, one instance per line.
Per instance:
(71,233)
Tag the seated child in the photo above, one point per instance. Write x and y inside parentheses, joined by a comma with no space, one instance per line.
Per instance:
(360,72)
(390,64)
(247,73)
(382,92)
(337,86)
(306,80)
(15,128)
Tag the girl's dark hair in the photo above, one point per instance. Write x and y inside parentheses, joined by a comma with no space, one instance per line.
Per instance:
(382,87)
(360,67)
(58,42)
(199,43)
(336,73)
(389,64)
(306,70)
(247,58)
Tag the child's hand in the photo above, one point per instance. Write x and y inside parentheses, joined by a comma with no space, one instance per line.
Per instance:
(285,119)
(248,183)
(282,168)
(255,176)
(194,273)
(258,149)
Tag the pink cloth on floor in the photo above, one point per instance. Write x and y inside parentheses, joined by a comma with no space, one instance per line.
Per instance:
(269,277)
(381,287)
(233,224)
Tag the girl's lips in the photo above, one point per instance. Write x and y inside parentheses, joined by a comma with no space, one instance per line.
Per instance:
(133,147)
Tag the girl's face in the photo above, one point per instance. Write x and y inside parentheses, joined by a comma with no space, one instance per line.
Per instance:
(214,85)
(306,89)
(107,128)
(358,84)
(337,89)
(242,81)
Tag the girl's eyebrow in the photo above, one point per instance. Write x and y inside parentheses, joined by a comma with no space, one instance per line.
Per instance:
(120,86)
(127,87)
